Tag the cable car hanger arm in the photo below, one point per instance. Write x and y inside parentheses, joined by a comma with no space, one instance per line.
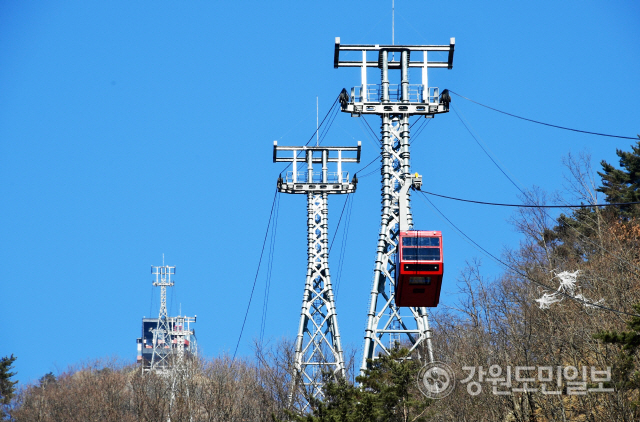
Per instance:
(410,181)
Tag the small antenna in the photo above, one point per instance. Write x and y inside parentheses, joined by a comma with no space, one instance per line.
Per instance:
(317,128)
(393,19)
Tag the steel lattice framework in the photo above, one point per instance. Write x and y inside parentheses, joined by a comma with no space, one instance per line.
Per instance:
(394,103)
(161,337)
(318,352)
(173,337)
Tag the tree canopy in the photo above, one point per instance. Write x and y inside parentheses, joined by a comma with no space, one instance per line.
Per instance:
(7,386)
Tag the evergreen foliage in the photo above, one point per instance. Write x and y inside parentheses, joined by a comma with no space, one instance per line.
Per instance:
(7,387)
(623,185)
(387,392)
(626,375)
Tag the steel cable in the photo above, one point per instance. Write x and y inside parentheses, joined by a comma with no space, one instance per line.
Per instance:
(264,242)
(530,206)
(527,196)
(543,123)
(584,302)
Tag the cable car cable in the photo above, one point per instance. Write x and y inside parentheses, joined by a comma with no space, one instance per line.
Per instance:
(343,246)
(371,172)
(543,123)
(485,151)
(530,206)
(375,136)
(323,119)
(328,127)
(339,220)
(584,302)
(318,128)
(417,131)
(375,140)
(372,161)
(264,242)
(420,130)
(345,237)
(265,303)
(526,195)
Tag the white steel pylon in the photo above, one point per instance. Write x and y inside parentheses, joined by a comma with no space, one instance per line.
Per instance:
(161,335)
(318,352)
(394,103)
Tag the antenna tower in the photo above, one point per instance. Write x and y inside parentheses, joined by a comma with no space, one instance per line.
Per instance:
(394,103)
(318,348)
(161,335)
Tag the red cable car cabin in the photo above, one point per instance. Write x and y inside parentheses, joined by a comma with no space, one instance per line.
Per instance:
(419,268)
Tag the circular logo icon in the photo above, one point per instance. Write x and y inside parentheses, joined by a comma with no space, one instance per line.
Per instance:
(436,380)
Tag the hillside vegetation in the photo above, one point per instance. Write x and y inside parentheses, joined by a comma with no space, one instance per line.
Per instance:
(567,302)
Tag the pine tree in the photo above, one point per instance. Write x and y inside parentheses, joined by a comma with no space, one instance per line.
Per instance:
(625,375)
(623,185)
(387,392)
(7,387)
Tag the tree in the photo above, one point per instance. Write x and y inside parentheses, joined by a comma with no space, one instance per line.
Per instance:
(387,392)
(625,370)
(7,387)
(623,185)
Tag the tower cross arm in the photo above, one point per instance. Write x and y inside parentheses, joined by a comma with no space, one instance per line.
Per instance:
(316,159)
(391,48)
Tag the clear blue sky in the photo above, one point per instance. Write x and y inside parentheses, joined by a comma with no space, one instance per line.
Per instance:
(133,129)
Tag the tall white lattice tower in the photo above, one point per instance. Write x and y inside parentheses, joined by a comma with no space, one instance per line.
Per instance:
(318,348)
(160,359)
(394,103)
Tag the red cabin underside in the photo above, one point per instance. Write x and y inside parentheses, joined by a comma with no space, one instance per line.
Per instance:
(419,269)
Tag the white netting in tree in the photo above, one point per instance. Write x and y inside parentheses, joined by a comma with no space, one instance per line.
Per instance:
(547,299)
(568,281)
(568,287)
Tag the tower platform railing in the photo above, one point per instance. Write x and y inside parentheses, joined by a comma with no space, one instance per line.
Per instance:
(303,177)
(416,94)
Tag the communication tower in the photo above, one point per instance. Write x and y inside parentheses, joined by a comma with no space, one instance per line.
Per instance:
(318,348)
(394,103)
(161,337)
(165,341)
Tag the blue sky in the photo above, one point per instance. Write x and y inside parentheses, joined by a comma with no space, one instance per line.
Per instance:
(133,129)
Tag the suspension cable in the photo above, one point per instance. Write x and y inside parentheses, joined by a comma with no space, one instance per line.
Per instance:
(375,136)
(317,129)
(543,123)
(419,130)
(521,274)
(264,242)
(343,246)
(527,196)
(339,220)
(265,303)
(531,206)
(372,161)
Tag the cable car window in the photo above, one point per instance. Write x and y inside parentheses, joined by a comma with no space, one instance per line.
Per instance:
(420,254)
(420,241)
(420,280)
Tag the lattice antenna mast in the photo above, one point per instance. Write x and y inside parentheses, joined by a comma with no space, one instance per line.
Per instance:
(161,334)
(318,347)
(394,103)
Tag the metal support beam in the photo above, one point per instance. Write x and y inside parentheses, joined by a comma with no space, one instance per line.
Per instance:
(383,316)
(318,348)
